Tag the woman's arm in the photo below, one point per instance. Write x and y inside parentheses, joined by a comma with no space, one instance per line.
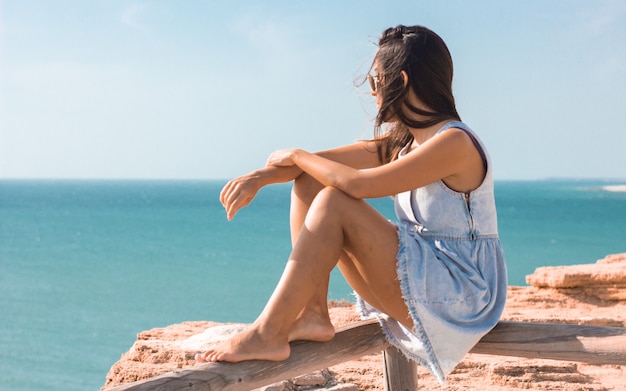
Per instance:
(240,191)
(450,156)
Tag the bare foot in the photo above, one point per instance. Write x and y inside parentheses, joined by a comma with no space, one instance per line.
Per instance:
(312,326)
(247,345)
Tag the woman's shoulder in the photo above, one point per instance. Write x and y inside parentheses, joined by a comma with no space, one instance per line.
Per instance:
(455,125)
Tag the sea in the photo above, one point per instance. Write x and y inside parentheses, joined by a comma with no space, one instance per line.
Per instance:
(86,265)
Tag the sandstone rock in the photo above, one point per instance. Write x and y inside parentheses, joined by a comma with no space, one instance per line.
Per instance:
(166,349)
(613,258)
(318,378)
(344,387)
(174,347)
(605,279)
(280,386)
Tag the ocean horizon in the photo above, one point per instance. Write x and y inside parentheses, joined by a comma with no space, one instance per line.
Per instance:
(85,265)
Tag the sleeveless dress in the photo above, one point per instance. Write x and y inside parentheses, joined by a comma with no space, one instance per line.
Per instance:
(452,270)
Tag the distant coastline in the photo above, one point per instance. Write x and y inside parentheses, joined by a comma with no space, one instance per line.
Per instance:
(615,188)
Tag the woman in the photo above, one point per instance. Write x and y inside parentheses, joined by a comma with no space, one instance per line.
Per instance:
(436,280)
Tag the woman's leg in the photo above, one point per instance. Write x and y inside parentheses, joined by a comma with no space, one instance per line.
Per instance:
(335,222)
(313,322)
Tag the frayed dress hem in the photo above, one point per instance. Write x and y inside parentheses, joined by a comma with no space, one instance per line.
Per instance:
(431,362)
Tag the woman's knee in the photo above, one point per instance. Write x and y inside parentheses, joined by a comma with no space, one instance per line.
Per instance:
(328,207)
(332,198)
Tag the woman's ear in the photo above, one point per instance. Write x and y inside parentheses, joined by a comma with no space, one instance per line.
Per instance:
(405,78)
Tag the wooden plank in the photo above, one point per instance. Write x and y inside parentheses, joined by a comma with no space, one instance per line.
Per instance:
(400,372)
(589,344)
(350,342)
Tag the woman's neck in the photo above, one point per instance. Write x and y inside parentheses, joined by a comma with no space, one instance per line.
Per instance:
(421,135)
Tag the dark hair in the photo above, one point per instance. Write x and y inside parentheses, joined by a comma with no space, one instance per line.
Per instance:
(424,56)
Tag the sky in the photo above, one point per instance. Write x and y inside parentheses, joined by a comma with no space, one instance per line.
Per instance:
(112,89)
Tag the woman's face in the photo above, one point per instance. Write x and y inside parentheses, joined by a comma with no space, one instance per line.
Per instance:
(375,82)
(379,99)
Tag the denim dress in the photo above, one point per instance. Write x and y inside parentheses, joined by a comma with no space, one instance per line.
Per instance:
(452,270)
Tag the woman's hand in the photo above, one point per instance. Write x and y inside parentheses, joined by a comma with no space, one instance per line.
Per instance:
(282,158)
(239,192)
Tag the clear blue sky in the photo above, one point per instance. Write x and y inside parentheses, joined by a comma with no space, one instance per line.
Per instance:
(207,89)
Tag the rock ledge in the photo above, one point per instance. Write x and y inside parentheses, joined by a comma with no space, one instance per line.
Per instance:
(593,294)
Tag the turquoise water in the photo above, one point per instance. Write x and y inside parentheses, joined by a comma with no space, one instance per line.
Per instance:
(86,265)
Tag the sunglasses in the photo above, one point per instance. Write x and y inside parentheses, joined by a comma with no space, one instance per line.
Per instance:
(373,82)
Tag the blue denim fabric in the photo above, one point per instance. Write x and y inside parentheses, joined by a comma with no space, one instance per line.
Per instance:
(452,271)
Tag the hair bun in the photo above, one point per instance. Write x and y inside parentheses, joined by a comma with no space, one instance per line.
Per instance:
(398,33)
